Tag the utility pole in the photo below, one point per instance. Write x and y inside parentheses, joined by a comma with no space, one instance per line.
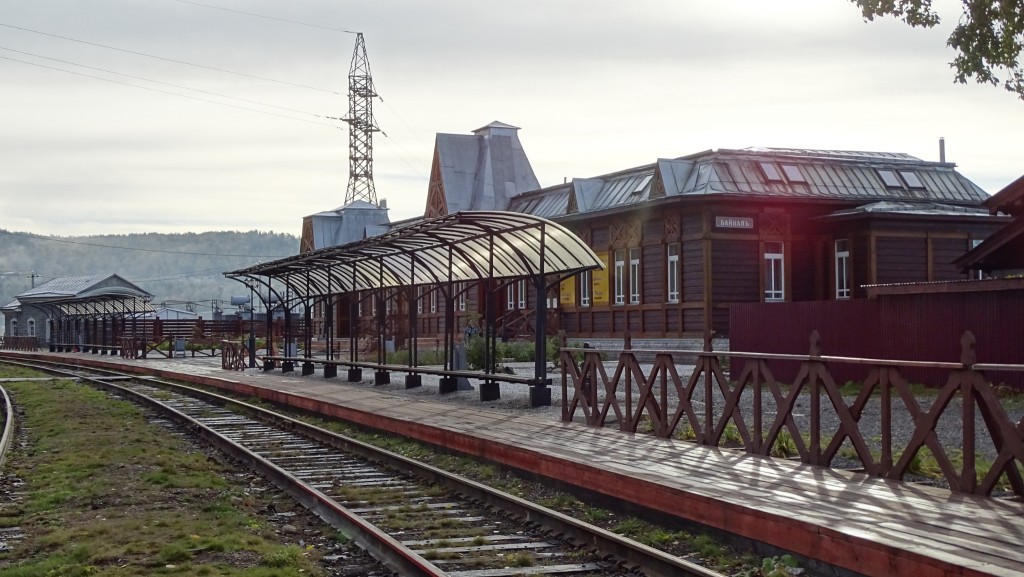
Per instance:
(361,127)
(32,275)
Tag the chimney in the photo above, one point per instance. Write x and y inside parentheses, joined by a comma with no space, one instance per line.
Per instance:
(942,149)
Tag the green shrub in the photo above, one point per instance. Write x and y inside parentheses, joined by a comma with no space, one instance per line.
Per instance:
(519,351)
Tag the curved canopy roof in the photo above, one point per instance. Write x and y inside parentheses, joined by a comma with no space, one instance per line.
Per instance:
(463,246)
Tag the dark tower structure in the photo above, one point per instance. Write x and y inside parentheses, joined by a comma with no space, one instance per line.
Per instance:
(361,127)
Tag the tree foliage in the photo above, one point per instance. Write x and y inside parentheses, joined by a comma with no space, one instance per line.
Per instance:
(989,37)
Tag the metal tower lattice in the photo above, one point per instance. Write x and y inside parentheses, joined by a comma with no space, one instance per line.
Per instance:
(361,127)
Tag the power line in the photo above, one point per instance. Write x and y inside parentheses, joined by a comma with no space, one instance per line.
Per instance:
(168,59)
(268,17)
(163,83)
(52,239)
(174,93)
(195,274)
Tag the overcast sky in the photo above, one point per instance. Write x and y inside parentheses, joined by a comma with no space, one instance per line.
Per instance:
(596,87)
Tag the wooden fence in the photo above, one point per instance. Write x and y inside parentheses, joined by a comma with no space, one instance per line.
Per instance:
(19,343)
(739,403)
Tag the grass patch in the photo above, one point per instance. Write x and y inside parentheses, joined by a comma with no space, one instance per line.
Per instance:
(107,493)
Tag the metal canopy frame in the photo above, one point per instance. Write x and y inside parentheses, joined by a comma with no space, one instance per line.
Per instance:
(88,311)
(98,305)
(468,246)
(450,248)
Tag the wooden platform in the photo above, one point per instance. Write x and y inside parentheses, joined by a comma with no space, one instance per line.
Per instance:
(866,525)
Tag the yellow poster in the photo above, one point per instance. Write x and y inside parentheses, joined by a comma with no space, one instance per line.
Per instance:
(567,292)
(601,281)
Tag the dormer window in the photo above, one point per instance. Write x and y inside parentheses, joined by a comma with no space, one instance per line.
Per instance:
(910,177)
(770,171)
(643,184)
(793,173)
(889,178)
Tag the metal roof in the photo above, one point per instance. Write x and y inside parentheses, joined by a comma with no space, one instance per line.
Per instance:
(354,221)
(911,208)
(464,246)
(88,295)
(484,170)
(845,176)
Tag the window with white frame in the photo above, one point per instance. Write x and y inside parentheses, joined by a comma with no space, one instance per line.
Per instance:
(634,276)
(516,293)
(31,327)
(774,272)
(842,268)
(419,300)
(586,279)
(620,277)
(461,287)
(433,300)
(976,274)
(14,327)
(672,272)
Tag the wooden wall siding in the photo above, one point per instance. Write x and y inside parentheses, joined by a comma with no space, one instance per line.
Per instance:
(720,320)
(634,322)
(618,319)
(571,323)
(802,264)
(673,321)
(653,230)
(693,321)
(901,259)
(944,252)
(692,271)
(599,237)
(860,265)
(693,223)
(653,274)
(736,271)
(653,320)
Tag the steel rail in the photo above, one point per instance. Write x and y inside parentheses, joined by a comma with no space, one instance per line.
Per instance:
(634,555)
(380,545)
(8,434)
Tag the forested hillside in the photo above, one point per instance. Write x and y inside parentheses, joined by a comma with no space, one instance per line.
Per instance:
(175,268)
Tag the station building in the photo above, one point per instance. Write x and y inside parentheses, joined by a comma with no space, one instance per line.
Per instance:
(685,238)
(76,310)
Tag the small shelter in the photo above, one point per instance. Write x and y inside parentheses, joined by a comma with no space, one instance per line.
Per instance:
(80,312)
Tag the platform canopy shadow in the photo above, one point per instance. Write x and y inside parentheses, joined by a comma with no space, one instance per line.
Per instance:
(442,253)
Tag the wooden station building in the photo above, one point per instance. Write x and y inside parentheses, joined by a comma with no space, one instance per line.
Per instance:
(683,239)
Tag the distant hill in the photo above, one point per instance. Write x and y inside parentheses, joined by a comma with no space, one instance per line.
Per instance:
(175,268)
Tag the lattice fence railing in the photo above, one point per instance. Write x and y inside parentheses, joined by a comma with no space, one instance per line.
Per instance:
(739,403)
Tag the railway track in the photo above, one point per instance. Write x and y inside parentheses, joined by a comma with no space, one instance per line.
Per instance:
(414,518)
(12,498)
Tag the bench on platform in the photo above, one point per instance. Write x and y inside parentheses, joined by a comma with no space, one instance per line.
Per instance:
(540,394)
